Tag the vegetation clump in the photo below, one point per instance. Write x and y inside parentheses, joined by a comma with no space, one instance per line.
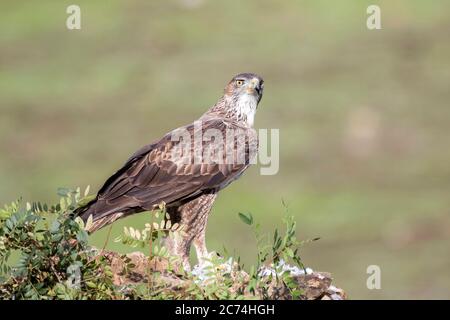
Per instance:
(45,254)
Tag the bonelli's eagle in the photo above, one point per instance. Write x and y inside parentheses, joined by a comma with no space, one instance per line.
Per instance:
(186,169)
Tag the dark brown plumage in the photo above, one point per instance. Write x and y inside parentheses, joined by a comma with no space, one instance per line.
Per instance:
(170,170)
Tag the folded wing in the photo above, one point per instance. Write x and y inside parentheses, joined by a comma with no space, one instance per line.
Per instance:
(166,170)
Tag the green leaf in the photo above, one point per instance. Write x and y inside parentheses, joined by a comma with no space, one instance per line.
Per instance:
(86,191)
(85,200)
(89,223)
(82,236)
(55,226)
(80,222)
(289,252)
(9,224)
(246,218)
(64,192)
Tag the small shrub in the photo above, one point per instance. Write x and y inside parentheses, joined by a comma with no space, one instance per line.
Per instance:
(44,254)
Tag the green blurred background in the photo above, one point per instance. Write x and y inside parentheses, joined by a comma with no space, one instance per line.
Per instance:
(363,118)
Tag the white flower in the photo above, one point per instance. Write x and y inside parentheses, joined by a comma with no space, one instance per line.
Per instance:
(281,268)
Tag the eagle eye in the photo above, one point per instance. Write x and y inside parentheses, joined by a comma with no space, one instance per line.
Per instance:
(239,82)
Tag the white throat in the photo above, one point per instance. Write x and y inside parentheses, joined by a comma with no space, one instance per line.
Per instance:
(246,108)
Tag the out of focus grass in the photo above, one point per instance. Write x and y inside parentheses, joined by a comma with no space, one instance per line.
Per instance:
(363,118)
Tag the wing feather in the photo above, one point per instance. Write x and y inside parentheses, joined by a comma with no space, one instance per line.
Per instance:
(151,176)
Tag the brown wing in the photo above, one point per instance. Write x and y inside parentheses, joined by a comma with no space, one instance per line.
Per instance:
(154,174)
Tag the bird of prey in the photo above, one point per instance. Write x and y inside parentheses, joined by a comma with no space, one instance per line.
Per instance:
(186,169)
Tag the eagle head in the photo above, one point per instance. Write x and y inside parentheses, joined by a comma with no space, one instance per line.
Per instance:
(245,85)
(241,97)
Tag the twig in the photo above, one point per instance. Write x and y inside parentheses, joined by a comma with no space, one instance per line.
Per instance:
(107,239)
(149,274)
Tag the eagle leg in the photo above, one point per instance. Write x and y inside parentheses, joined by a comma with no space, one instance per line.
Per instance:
(178,246)
(192,217)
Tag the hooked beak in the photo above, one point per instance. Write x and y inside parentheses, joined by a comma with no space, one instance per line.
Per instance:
(255,86)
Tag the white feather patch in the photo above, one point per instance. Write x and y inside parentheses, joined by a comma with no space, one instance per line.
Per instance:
(246,108)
